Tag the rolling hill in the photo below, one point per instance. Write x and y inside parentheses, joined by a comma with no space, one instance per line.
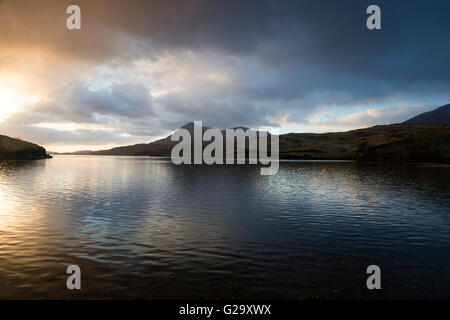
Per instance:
(16,149)
(395,142)
(414,140)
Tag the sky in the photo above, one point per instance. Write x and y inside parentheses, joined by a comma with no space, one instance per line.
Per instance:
(137,70)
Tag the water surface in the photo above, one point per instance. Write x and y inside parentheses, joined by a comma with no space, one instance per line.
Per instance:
(144,228)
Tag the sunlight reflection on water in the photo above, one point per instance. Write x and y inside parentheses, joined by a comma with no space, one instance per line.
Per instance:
(144,228)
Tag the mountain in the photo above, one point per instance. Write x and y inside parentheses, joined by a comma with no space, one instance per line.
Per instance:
(395,142)
(155,148)
(161,147)
(16,149)
(440,115)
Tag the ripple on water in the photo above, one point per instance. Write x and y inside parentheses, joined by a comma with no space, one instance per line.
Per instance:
(143,228)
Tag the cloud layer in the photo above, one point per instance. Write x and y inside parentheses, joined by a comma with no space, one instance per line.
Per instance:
(139,69)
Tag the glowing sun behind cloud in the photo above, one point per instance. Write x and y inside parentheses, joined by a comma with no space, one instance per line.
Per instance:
(12,100)
(136,72)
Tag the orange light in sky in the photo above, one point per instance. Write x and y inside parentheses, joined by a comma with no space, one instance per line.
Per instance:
(12,101)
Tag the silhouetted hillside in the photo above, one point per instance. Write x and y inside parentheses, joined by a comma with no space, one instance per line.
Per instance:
(161,147)
(16,149)
(396,142)
(440,115)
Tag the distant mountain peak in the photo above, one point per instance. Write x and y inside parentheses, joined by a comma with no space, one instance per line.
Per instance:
(243,128)
(440,115)
(158,147)
(190,127)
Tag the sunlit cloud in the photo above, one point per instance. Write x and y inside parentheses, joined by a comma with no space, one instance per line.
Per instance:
(136,72)
(72,126)
(12,101)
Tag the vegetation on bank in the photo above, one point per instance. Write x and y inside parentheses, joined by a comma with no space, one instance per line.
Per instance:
(396,142)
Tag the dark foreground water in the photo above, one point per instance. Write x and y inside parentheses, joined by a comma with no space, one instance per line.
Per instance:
(144,228)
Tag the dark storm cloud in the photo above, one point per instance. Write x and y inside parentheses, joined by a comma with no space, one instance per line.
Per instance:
(214,112)
(288,58)
(414,39)
(130,101)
